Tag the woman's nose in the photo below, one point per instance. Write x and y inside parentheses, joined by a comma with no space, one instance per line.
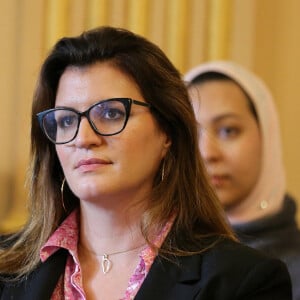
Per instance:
(86,135)
(209,147)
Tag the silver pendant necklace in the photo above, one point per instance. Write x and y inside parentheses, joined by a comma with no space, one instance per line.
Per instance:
(105,264)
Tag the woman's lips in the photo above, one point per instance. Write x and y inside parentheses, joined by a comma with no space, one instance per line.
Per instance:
(91,164)
(219,180)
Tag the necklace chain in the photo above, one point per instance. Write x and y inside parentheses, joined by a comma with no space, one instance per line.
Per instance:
(106,263)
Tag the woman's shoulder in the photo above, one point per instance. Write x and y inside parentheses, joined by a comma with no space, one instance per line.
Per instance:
(242,268)
(234,254)
(226,270)
(226,246)
(39,284)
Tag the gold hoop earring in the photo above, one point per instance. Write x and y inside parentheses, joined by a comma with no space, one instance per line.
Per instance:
(62,194)
(163,171)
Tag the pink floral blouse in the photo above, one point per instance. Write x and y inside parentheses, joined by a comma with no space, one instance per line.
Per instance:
(69,286)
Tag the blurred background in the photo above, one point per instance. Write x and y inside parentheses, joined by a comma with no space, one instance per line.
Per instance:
(262,35)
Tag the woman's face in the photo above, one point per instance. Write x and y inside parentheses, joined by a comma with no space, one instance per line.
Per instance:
(99,168)
(229,141)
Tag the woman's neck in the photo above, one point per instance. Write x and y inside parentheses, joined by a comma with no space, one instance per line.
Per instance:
(109,231)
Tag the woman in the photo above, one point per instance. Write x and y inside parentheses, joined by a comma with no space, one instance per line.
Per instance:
(120,207)
(240,145)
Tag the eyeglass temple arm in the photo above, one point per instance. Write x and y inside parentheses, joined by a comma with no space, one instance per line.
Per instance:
(141,103)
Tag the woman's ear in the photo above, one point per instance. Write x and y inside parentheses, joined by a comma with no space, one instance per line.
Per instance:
(167,144)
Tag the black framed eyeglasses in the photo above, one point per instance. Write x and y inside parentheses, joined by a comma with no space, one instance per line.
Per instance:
(106,117)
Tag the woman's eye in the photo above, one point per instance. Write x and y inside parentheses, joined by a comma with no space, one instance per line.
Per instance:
(228,132)
(66,121)
(108,114)
(112,114)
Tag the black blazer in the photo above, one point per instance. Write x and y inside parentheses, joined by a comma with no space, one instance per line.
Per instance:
(229,271)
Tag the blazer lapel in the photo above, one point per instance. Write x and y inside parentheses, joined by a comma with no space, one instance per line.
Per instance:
(41,283)
(169,280)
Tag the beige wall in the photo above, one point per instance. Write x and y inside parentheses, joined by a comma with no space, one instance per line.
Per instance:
(260,34)
(277,60)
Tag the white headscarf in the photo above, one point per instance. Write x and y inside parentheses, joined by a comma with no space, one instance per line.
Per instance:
(267,196)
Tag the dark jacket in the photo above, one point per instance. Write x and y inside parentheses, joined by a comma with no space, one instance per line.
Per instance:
(278,236)
(229,271)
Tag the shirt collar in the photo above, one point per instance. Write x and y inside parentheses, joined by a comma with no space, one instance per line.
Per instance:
(65,236)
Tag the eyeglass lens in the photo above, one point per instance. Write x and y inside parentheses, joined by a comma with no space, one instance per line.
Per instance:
(107,118)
